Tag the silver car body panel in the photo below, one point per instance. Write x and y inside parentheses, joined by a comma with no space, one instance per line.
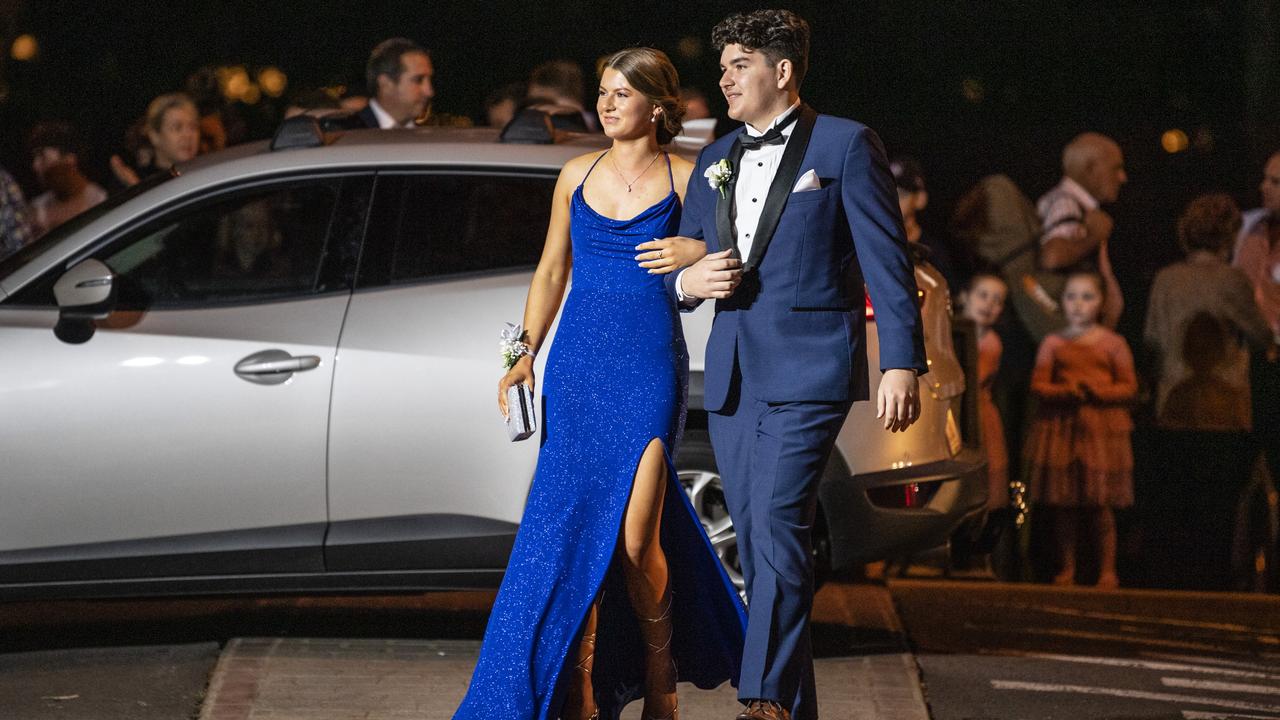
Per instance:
(146,431)
(406,354)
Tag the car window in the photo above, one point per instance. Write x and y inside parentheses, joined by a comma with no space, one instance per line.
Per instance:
(432,225)
(58,234)
(242,249)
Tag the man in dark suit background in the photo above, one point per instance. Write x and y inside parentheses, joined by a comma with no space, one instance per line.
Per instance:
(399,76)
(786,356)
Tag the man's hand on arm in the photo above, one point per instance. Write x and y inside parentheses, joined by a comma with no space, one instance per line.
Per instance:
(898,400)
(714,276)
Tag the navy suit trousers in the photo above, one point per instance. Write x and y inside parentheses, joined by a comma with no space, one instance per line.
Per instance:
(771,458)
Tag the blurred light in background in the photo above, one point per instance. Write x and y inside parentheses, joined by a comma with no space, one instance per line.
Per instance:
(236,85)
(973,90)
(234,81)
(689,47)
(1174,141)
(272,81)
(24,48)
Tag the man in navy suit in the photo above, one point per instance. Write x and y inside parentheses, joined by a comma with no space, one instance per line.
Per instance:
(399,75)
(805,214)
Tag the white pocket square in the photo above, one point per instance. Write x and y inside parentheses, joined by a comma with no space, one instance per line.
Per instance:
(808,181)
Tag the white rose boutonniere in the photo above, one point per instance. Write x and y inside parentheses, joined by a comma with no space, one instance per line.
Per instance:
(718,176)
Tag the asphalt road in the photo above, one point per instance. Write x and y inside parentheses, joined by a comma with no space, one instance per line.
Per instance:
(1034,652)
(985,650)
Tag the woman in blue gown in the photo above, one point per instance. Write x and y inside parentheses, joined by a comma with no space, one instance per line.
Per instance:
(613,592)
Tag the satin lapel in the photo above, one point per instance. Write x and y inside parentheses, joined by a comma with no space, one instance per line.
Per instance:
(724,205)
(783,180)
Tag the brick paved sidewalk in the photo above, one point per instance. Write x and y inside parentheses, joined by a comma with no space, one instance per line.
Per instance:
(340,679)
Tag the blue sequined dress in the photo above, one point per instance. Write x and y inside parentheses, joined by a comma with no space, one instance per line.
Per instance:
(616,378)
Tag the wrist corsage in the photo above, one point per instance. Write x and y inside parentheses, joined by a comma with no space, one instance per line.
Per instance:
(513,345)
(521,417)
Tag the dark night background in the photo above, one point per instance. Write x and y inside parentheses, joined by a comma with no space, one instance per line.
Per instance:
(968,87)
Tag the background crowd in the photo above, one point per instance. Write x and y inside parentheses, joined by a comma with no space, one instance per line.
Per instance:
(1067,371)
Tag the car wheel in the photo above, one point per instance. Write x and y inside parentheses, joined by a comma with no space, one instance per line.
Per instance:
(700,477)
(1257,533)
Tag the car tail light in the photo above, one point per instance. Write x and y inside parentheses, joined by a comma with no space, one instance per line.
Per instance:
(955,441)
(911,496)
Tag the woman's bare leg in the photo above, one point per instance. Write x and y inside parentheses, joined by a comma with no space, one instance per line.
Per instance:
(648,581)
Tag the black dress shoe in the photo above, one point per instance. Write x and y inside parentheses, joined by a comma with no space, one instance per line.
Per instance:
(764,710)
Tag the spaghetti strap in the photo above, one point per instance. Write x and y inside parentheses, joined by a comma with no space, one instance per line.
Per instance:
(670,175)
(593,167)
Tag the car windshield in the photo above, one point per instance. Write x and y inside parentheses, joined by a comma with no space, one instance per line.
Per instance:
(20,258)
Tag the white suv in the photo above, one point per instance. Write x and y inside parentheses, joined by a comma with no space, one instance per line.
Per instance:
(274,371)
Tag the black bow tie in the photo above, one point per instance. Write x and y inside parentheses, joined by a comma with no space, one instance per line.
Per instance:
(772,136)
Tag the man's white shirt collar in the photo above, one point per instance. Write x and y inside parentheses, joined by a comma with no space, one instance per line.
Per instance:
(385,121)
(786,131)
(1077,191)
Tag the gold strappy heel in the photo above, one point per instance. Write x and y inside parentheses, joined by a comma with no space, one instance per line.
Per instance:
(585,664)
(651,627)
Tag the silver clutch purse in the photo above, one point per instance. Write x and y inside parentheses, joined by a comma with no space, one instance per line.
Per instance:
(521,418)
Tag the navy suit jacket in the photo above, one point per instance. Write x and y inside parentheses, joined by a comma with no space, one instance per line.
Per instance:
(368,117)
(796,326)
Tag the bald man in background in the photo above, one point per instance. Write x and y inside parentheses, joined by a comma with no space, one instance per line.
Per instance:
(1076,229)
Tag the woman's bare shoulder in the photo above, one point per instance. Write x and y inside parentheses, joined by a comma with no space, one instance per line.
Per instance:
(681,169)
(580,163)
(575,170)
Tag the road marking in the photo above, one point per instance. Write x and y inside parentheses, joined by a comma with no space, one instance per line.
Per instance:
(1155,665)
(1202,715)
(1213,686)
(1171,622)
(1113,637)
(1211,661)
(1133,694)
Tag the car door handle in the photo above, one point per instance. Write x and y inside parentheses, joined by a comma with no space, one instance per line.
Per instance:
(272,367)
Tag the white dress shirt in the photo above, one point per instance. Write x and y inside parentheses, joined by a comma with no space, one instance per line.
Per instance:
(385,121)
(755,173)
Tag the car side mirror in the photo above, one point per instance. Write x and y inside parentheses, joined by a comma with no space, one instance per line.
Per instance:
(84,293)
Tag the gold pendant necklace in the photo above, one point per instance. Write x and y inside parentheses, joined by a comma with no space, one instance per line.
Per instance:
(614,163)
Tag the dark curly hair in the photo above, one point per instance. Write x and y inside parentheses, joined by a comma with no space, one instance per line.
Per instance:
(1210,223)
(651,73)
(777,34)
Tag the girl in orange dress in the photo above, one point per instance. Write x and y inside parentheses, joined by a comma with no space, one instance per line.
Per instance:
(1080,459)
(982,302)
